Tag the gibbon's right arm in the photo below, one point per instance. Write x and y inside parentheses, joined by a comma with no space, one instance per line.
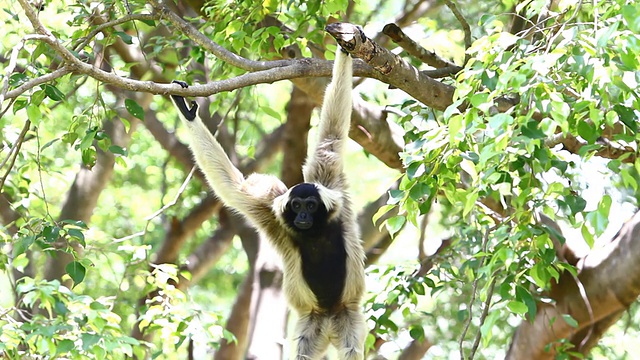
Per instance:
(325,164)
(253,196)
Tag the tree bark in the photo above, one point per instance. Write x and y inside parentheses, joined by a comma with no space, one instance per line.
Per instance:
(608,277)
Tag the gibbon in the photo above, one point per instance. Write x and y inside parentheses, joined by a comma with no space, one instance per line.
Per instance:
(312,225)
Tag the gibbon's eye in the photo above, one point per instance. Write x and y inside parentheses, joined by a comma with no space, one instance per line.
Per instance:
(312,205)
(296,205)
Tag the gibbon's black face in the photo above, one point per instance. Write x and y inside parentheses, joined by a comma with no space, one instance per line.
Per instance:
(305,208)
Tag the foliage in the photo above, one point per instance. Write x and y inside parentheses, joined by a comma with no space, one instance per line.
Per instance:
(486,171)
(577,79)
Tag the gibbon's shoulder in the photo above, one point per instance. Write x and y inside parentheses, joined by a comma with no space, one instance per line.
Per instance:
(261,185)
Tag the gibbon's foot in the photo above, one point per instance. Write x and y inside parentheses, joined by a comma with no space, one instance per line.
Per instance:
(348,36)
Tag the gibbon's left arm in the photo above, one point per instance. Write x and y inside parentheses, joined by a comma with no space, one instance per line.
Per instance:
(325,164)
(252,197)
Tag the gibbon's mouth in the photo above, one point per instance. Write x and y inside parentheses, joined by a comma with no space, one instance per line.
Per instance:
(303,225)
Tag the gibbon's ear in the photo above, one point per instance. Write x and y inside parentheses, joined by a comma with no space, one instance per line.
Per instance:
(332,199)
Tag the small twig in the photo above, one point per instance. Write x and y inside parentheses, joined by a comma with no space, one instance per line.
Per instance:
(423,233)
(465,26)
(563,25)
(37,81)
(483,317)
(124,19)
(38,162)
(3,111)
(585,298)
(414,49)
(485,242)
(216,49)
(13,154)
(161,210)
(13,61)
(442,72)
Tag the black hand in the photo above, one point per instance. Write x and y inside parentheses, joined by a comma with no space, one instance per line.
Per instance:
(189,114)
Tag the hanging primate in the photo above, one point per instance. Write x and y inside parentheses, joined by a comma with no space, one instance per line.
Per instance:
(312,225)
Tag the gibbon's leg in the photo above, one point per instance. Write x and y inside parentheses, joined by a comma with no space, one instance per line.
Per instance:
(312,336)
(325,164)
(349,333)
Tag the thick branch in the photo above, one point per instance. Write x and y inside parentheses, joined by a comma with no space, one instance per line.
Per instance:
(609,277)
(391,68)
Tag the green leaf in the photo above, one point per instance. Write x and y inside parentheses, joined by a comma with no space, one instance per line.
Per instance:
(50,233)
(518,307)
(125,37)
(97,306)
(118,150)
(470,202)
(570,321)
(455,128)
(587,130)
(576,203)
(525,296)
(34,114)
(560,111)
(37,97)
(79,223)
(77,234)
(587,235)
(487,327)
(416,332)
(88,340)
(49,144)
(19,105)
(395,196)
(88,138)
(89,157)
(631,15)
(540,275)
(20,262)
(269,111)
(52,92)
(64,346)
(532,131)
(371,341)
(381,212)
(414,170)
(627,116)
(479,100)
(419,191)
(394,224)
(76,271)
(134,109)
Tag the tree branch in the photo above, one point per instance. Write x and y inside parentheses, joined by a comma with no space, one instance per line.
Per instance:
(465,26)
(391,68)
(414,49)
(112,23)
(605,274)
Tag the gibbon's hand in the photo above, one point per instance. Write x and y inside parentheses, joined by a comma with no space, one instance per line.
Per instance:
(189,114)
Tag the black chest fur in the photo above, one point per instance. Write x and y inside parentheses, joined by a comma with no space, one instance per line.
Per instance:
(324,263)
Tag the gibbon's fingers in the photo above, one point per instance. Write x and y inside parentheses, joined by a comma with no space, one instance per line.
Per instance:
(189,114)
(325,164)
